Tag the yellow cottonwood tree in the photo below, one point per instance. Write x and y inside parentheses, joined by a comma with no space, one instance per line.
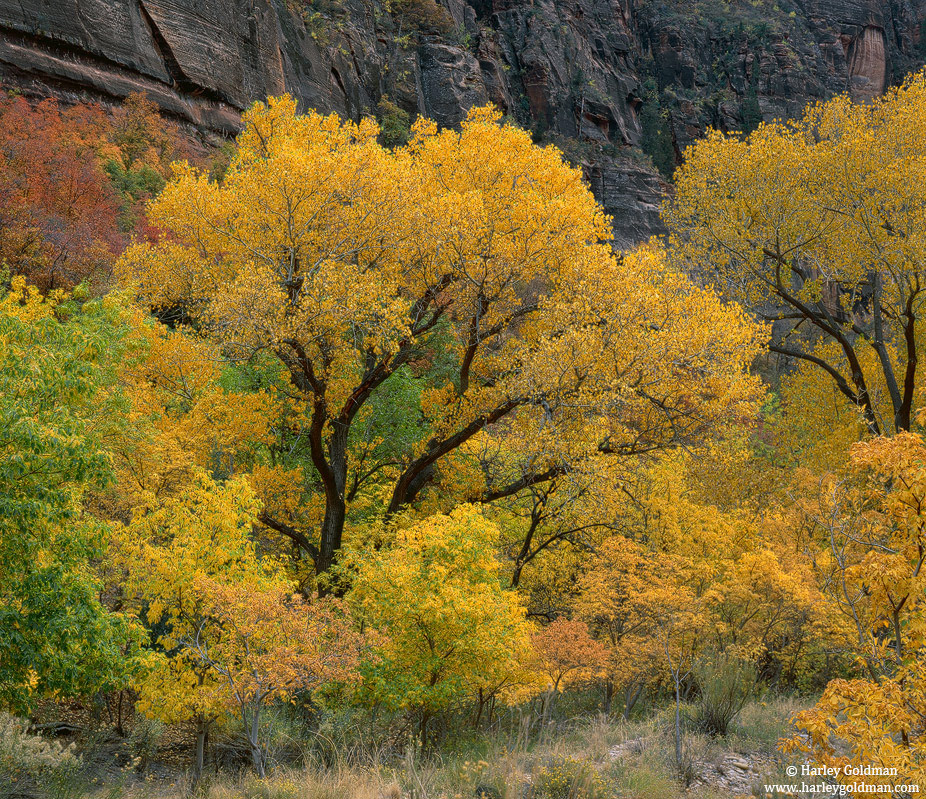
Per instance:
(470,269)
(819,226)
(756,595)
(616,595)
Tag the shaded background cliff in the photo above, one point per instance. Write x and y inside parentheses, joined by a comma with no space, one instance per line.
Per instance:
(623,86)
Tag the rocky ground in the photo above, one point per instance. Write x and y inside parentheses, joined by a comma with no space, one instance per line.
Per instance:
(733,773)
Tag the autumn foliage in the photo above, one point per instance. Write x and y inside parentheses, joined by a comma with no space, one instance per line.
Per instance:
(72,181)
(470,270)
(59,217)
(393,434)
(818,224)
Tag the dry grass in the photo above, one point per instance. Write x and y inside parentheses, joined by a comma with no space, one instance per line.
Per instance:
(634,759)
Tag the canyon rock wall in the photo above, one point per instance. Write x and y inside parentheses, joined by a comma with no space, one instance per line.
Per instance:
(623,86)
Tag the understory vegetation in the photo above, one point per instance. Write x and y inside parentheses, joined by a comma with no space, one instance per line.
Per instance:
(582,756)
(355,462)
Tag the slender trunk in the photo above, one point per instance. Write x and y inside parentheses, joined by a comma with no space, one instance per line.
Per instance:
(423,730)
(525,553)
(548,698)
(678,722)
(199,761)
(608,696)
(630,699)
(252,727)
(119,728)
(902,420)
(887,367)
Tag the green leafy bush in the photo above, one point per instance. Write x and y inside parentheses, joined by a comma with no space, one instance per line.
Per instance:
(656,139)
(394,123)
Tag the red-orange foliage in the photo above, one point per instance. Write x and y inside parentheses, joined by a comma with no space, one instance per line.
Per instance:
(266,644)
(58,210)
(567,654)
(73,183)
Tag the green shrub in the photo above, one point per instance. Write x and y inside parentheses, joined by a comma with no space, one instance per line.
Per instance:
(133,185)
(394,123)
(144,740)
(726,684)
(656,134)
(221,161)
(750,111)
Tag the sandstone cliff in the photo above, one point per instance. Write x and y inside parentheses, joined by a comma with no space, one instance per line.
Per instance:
(614,82)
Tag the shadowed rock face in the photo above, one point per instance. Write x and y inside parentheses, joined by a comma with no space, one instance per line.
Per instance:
(200,61)
(579,71)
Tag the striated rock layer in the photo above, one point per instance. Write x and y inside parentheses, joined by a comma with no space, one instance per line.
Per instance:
(604,79)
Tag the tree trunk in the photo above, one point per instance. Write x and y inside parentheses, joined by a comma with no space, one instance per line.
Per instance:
(331,533)
(202,731)
(423,730)
(608,696)
(252,727)
(548,698)
(335,505)
(119,728)
(678,722)
(630,699)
